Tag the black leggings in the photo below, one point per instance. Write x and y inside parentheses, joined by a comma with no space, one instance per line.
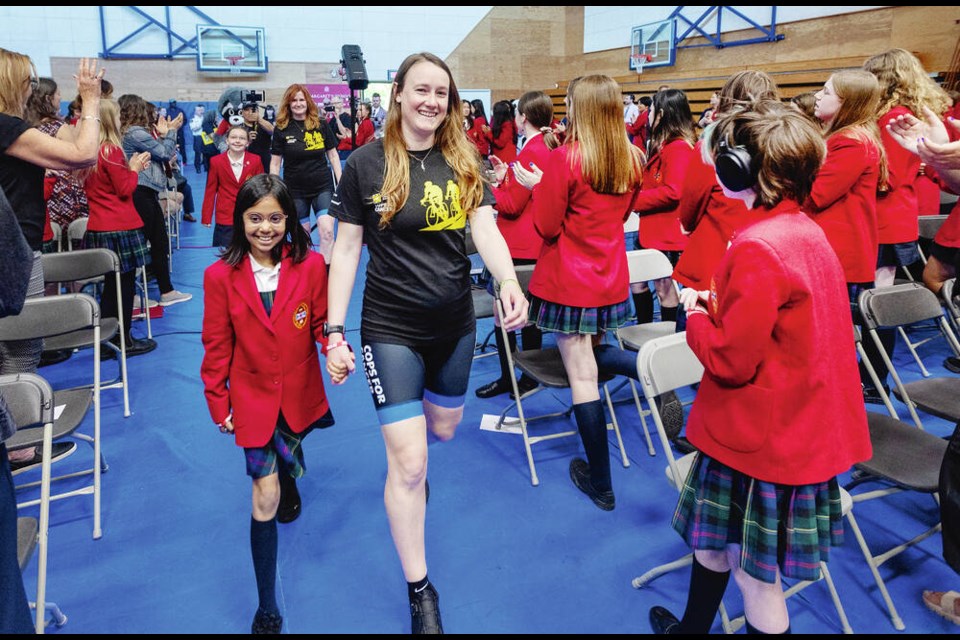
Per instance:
(147,203)
(108,301)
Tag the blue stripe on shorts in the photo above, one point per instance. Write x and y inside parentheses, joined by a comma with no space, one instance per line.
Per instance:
(447,402)
(399,412)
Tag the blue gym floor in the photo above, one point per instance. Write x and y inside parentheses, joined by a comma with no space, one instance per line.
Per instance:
(506,557)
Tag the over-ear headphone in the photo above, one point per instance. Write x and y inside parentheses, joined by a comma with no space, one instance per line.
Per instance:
(734,167)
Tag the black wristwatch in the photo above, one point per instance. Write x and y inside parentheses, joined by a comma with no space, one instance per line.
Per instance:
(331,328)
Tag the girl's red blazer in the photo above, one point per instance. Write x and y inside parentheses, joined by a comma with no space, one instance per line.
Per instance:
(220,196)
(256,366)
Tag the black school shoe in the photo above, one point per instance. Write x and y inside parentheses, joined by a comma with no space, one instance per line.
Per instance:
(872,396)
(663,622)
(266,623)
(290,504)
(48,358)
(425,612)
(951,364)
(580,474)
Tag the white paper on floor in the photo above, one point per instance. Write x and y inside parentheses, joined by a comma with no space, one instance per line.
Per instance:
(489,423)
(57,410)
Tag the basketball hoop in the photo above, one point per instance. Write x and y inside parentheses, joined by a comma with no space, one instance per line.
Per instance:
(234,62)
(640,59)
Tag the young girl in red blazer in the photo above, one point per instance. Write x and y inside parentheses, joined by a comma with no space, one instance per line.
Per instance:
(502,133)
(228,171)
(265,303)
(773,334)
(671,150)
(579,288)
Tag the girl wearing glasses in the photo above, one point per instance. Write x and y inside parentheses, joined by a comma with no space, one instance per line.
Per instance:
(228,171)
(265,303)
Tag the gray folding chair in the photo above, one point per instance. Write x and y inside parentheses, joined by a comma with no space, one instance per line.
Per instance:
(667,364)
(31,402)
(906,459)
(905,304)
(57,234)
(482,300)
(947,297)
(86,264)
(545,367)
(70,316)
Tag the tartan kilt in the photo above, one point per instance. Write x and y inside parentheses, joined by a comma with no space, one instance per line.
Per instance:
(777,525)
(559,318)
(130,246)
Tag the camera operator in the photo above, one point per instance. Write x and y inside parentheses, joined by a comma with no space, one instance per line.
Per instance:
(260,130)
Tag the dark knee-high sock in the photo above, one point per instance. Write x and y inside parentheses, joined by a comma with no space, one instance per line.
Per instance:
(531,337)
(592,424)
(505,372)
(668,314)
(643,303)
(888,338)
(263,548)
(754,631)
(703,601)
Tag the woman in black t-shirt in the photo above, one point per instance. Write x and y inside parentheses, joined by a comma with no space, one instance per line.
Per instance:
(306,147)
(408,196)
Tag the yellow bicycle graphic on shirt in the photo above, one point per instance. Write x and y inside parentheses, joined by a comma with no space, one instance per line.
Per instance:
(443,211)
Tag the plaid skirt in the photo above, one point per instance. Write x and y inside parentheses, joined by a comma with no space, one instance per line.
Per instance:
(284,450)
(559,318)
(130,246)
(777,525)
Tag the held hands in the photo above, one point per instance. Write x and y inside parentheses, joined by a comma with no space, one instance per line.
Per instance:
(341,362)
(693,301)
(139,161)
(515,305)
(528,179)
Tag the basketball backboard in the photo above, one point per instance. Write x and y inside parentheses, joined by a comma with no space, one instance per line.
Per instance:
(654,44)
(231,49)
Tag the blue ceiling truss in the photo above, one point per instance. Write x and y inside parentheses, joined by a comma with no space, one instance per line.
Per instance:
(177,45)
(709,25)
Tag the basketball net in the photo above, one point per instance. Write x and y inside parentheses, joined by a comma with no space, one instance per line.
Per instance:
(639,60)
(234,62)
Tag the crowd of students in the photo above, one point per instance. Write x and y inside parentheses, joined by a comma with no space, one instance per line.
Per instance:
(774,220)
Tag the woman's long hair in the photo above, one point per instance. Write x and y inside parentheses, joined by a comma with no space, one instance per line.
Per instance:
(478,109)
(296,242)
(607,159)
(134,112)
(110,136)
(904,82)
(672,120)
(502,116)
(537,108)
(859,94)
(457,150)
(16,71)
(40,107)
(743,89)
(284,116)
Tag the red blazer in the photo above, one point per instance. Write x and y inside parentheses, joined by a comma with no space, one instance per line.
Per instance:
(897,208)
(844,203)
(478,137)
(639,130)
(504,146)
(514,204)
(584,259)
(255,366)
(223,187)
(110,193)
(711,218)
(365,132)
(780,398)
(928,195)
(659,199)
(949,233)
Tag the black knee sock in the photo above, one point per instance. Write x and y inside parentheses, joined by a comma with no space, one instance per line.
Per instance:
(288,485)
(505,372)
(668,314)
(754,631)
(531,337)
(263,547)
(643,303)
(592,424)
(418,586)
(703,601)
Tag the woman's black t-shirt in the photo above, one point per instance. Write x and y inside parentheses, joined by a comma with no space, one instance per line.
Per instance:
(305,167)
(22,182)
(418,275)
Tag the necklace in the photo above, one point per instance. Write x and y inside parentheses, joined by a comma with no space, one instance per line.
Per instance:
(422,160)
(302,128)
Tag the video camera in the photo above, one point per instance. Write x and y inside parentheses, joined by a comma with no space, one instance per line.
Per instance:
(252,98)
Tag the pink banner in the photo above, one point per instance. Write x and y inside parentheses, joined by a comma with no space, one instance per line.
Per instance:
(325,92)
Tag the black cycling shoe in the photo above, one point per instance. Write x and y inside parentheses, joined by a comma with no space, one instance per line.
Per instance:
(265,622)
(663,622)
(425,612)
(580,474)
(290,504)
(493,389)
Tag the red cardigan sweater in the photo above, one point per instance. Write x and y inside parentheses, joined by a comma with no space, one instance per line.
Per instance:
(515,204)
(220,196)
(780,398)
(659,199)
(897,209)
(711,219)
(110,193)
(584,259)
(844,203)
